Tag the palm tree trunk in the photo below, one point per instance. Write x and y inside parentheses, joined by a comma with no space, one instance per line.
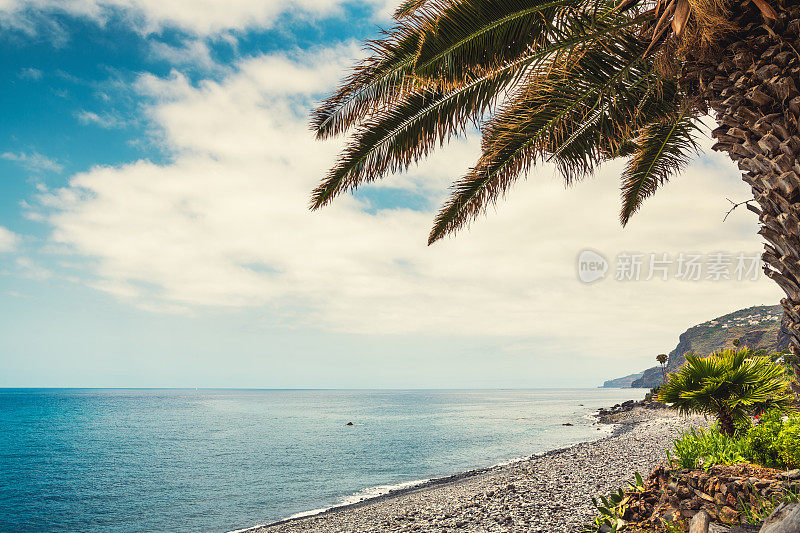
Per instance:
(725,423)
(752,85)
(796,384)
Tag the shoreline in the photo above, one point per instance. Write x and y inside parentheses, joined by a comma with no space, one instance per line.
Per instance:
(619,424)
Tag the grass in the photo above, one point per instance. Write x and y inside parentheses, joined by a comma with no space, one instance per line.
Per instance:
(756,513)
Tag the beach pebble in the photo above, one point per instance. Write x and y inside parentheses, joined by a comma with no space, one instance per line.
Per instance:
(547,493)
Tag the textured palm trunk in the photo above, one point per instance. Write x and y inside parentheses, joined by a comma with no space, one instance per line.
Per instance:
(753,88)
(726,425)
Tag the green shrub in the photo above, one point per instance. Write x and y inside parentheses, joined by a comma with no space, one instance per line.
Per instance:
(789,442)
(775,440)
(707,447)
(611,509)
(763,440)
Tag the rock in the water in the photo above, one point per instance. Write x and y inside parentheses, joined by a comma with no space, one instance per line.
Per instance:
(784,519)
(699,523)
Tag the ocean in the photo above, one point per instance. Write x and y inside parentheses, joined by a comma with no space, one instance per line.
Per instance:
(141,460)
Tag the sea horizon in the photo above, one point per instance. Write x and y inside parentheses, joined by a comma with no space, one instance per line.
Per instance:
(321,388)
(134,459)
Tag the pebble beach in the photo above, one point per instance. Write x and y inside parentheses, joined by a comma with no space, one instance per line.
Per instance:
(545,493)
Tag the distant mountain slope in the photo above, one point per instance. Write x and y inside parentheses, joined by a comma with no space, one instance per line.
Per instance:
(622,383)
(757,328)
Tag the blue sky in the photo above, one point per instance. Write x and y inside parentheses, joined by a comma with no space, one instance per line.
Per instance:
(155,166)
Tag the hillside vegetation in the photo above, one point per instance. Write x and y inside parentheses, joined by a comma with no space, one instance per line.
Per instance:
(756,328)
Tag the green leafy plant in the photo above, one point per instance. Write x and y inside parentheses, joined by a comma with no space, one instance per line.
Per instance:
(706,448)
(611,508)
(775,440)
(789,443)
(762,440)
(637,485)
(730,385)
(674,527)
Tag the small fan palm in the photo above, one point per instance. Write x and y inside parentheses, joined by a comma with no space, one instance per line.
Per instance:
(730,385)
(662,359)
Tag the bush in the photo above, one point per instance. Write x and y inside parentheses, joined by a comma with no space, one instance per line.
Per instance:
(707,447)
(789,442)
(773,442)
(763,440)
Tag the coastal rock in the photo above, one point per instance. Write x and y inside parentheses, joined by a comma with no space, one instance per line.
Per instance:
(699,523)
(616,414)
(784,519)
(722,494)
(718,528)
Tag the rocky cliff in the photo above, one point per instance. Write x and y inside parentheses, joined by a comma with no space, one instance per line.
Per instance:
(756,327)
(622,383)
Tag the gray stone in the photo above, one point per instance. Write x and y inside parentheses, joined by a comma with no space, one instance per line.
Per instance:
(699,523)
(784,519)
(718,528)
(790,475)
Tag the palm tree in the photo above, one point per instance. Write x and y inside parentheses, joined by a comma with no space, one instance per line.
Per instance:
(662,360)
(730,385)
(577,83)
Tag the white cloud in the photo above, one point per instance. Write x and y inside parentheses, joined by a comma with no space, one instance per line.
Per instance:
(28,268)
(8,240)
(33,162)
(193,52)
(225,225)
(201,17)
(30,74)
(103,120)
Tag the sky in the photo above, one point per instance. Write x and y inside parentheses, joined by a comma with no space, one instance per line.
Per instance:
(155,171)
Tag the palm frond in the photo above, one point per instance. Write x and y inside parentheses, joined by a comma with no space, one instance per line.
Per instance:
(399,135)
(408,8)
(378,80)
(470,34)
(664,147)
(558,107)
(731,382)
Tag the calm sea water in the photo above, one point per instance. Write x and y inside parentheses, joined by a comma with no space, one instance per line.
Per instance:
(218,460)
